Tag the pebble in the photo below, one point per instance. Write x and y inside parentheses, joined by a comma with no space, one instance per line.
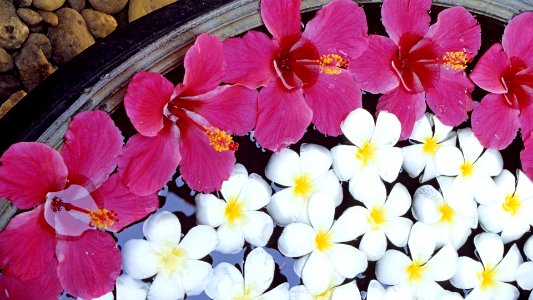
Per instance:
(77,5)
(109,6)
(40,41)
(12,101)
(6,61)
(49,17)
(29,16)
(8,85)
(13,32)
(100,24)
(23,3)
(48,5)
(139,8)
(33,66)
(71,36)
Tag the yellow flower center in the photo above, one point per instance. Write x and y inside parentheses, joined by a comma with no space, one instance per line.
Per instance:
(326,295)
(171,259)
(332,64)
(366,153)
(234,211)
(446,213)
(467,169)
(487,277)
(302,185)
(431,145)
(247,295)
(376,217)
(415,271)
(323,241)
(220,140)
(512,204)
(456,60)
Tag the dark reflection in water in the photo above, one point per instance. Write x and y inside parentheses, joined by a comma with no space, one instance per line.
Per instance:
(180,199)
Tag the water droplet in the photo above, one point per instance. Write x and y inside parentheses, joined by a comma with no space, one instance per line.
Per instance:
(252,138)
(192,193)
(105,76)
(179,181)
(163,192)
(363,295)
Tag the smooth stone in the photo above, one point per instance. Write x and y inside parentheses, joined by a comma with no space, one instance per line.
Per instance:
(109,6)
(6,61)
(40,41)
(33,66)
(100,24)
(139,8)
(71,36)
(49,17)
(11,101)
(48,5)
(23,3)
(77,5)
(29,16)
(13,32)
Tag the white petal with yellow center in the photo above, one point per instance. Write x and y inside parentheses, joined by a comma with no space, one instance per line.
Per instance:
(129,288)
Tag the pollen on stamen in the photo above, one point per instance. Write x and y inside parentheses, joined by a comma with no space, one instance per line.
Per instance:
(103,218)
(330,64)
(456,60)
(57,204)
(220,140)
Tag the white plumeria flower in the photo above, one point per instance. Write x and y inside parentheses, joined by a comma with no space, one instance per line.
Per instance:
(420,272)
(227,283)
(108,296)
(489,277)
(236,216)
(421,155)
(373,157)
(320,244)
(512,213)
(381,219)
(472,168)
(303,175)
(376,291)
(524,274)
(129,288)
(176,264)
(450,215)
(335,291)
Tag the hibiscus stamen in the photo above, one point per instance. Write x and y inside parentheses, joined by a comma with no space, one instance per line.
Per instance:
(456,60)
(332,63)
(220,140)
(101,218)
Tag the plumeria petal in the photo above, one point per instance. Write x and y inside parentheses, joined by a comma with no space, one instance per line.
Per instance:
(402,16)
(315,160)
(282,19)
(45,286)
(344,162)
(317,272)
(413,163)
(230,239)
(397,231)
(140,259)
(489,247)
(346,291)
(421,242)
(258,228)
(285,208)
(443,265)
(470,145)
(89,266)
(161,228)
(517,41)
(347,260)
(389,266)
(321,211)
(28,172)
(488,72)
(199,241)
(296,240)
(257,193)
(373,244)
(358,126)
(283,167)
(389,163)
(209,210)
(129,288)
(204,65)
(351,224)
(399,200)
(528,248)
(407,107)
(164,287)
(448,161)
(388,129)
(368,188)
(506,269)
(258,271)
(195,278)
(466,276)
(141,154)
(279,292)
(524,275)
(225,283)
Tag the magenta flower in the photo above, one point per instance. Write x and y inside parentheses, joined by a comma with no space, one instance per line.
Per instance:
(420,63)
(506,71)
(57,245)
(304,75)
(188,125)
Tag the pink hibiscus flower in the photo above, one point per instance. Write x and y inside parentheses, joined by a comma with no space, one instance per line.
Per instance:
(57,245)
(420,63)
(304,75)
(188,125)
(506,71)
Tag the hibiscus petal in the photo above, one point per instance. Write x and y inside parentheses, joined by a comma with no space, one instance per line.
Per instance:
(489,247)
(281,18)
(161,228)
(526,157)
(338,27)
(517,41)
(317,272)
(28,171)
(202,167)
(373,244)
(231,108)
(405,16)
(92,148)
(249,59)
(140,259)
(466,276)
(27,245)
(230,239)
(456,30)
(45,286)
(164,287)
(407,107)
(296,240)
(526,122)
(195,278)
(204,65)
(258,271)
(114,195)
(199,241)
(147,95)
(342,95)
(490,68)
(450,98)
(495,123)
(149,162)
(282,117)
(390,269)
(347,260)
(89,266)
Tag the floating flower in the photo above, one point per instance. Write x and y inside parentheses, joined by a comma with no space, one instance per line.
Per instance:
(335,291)
(303,176)
(506,72)
(472,167)
(176,265)
(108,296)
(451,215)
(131,289)
(79,198)
(524,273)
(421,155)
(489,278)
(373,157)
(421,271)
(298,71)
(227,282)
(381,219)
(188,125)
(321,245)
(526,156)
(512,213)
(420,63)
(236,216)
(377,292)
